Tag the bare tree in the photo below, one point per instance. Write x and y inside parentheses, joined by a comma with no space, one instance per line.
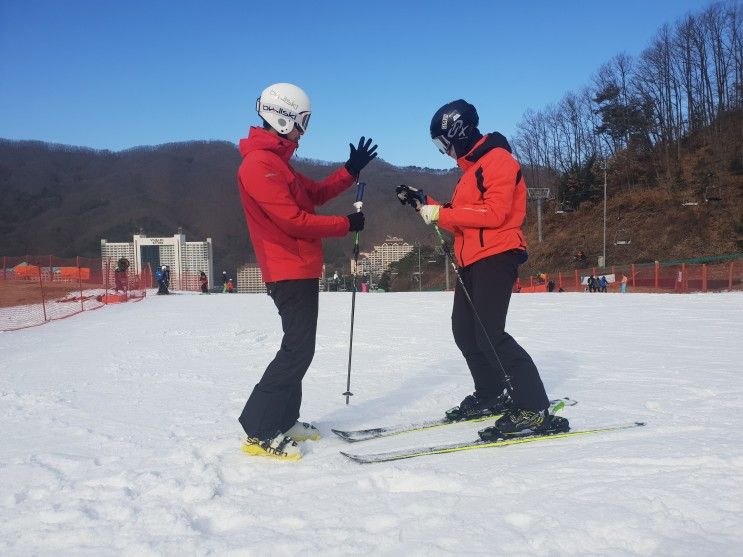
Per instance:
(683,84)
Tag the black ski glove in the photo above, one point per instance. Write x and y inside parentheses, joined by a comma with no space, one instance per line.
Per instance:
(360,156)
(410,196)
(356,222)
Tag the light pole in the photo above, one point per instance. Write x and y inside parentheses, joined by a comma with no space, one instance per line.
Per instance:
(539,194)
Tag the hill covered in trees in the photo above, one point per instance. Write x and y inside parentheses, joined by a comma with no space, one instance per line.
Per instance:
(665,131)
(62,200)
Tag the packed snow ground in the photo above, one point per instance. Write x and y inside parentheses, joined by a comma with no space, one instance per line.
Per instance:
(119,432)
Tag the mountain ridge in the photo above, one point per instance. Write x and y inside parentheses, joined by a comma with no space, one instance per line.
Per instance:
(62,200)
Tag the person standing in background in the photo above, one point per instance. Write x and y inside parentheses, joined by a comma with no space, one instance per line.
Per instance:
(203,283)
(163,281)
(623,285)
(121,280)
(603,283)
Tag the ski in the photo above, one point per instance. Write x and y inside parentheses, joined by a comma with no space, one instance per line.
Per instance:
(377,432)
(479,444)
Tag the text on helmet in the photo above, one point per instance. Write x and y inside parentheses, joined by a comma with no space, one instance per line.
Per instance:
(279,110)
(284,99)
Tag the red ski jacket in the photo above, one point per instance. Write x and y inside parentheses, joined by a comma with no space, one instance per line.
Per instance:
(489,202)
(279,205)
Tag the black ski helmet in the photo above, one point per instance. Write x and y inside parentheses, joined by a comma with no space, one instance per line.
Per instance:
(455,125)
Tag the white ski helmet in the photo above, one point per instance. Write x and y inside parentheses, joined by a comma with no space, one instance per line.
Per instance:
(282,105)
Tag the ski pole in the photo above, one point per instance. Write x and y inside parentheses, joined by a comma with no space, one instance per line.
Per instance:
(358,204)
(456,268)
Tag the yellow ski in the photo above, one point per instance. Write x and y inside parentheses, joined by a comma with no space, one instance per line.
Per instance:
(479,444)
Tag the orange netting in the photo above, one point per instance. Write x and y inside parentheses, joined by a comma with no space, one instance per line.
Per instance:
(646,277)
(38,289)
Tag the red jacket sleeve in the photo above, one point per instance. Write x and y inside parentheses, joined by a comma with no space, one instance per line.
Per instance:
(270,190)
(431,201)
(499,179)
(325,190)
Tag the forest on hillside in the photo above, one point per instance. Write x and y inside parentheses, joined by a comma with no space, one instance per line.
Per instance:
(640,117)
(62,200)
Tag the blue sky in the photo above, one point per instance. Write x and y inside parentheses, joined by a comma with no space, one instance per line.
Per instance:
(117,74)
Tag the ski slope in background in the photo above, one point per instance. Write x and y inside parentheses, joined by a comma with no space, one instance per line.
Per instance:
(119,432)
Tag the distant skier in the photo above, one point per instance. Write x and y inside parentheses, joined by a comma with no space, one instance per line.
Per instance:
(592,284)
(163,281)
(121,280)
(203,283)
(603,283)
(485,215)
(623,286)
(224,281)
(336,282)
(279,205)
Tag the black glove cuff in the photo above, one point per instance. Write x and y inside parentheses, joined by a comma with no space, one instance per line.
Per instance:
(355,222)
(352,170)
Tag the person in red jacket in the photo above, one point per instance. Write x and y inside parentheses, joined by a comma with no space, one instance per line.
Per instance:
(485,216)
(286,234)
(204,283)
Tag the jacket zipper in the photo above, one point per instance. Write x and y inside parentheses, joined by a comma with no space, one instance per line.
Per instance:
(481,187)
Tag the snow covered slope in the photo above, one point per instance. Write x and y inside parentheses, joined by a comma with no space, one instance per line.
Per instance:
(119,432)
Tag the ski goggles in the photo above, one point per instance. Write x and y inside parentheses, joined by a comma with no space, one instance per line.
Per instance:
(442,144)
(302,120)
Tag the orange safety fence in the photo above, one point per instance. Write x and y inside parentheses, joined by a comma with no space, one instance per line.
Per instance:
(534,287)
(679,278)
(37,289)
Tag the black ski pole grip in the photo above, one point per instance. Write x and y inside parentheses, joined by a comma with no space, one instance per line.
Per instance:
(360,191)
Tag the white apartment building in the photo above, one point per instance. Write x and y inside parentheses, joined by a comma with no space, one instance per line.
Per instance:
(378,260)
(185,259)
(250,279)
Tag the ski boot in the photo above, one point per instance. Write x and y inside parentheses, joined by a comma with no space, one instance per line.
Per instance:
(474,406)
(281,447)
(302,431)
(524,423)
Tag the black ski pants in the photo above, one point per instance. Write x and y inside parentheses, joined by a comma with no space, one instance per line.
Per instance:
(489,282)
(273,405)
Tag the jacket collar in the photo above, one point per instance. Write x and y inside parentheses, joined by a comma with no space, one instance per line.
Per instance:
(262,140)
(487,143)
